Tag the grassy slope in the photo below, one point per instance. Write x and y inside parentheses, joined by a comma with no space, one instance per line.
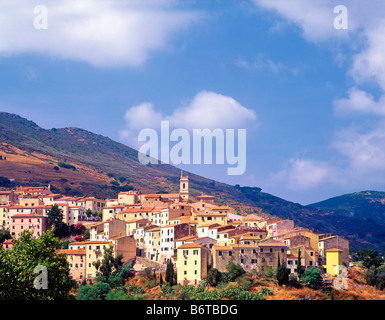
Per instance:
(95,155)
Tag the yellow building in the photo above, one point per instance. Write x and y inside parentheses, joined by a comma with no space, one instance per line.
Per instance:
(94,252)
(191,263)
(333,261)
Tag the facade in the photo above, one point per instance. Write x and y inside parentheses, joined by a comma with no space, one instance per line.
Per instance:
(32,222)
(192,263)
(94,252)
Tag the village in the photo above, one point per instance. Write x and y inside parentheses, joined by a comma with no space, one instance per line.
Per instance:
(152,230)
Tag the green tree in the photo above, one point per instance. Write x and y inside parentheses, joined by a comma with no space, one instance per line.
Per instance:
(234,271)
(55,218)
(299,266)
(108,263)
(88,213)
(312,277)
(369,257)
(4,235)
(19,265)
(213,277)
(281,273)
(170,273)
(376,277)
(97,291)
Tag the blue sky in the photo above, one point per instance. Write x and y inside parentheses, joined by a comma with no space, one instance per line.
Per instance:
(310,96)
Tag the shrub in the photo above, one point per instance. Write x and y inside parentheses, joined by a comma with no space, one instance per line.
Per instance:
(66,166)
(213,277)
(312,277)
(234,271)
(266,292)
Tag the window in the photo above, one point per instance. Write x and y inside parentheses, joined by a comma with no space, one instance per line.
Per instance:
(195,271)
(283,250)
(253,260)
(261,250)
(185,272)
(271,249)
(195,252)
(185,252)
(242,250)
(185,263)
(219,253)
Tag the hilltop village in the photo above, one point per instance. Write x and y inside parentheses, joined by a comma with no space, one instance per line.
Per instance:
(195,234)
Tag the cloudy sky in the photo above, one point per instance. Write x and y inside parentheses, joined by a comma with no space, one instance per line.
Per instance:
(305,79)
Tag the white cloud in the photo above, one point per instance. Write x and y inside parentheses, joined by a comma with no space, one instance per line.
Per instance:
(315,18)
(303,174)
(361,102)
(262,64)
(207,110)
(360,158)
(102,33)
(369,64)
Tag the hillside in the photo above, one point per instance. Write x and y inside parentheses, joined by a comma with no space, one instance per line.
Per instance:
(363,212)
(32,153)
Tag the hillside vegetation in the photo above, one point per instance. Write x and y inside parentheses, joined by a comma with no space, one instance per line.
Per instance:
(78,162)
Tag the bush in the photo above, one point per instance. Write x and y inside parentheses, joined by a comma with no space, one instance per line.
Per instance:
(234,271)
(114,183)
(375,277)
(213,277)
(312,277)
(266,292)
(241,294)
(66,166)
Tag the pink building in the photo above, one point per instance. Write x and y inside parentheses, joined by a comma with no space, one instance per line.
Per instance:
(33,222)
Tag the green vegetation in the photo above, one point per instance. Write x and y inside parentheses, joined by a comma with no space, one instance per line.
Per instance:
(5,182)
(312,277)
(17,276)
(66,166)
(281,273)
(55,219)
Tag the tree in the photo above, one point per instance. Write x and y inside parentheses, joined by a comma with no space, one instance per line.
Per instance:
(27,261)
(97,291)
(299,266)
(170,273)
(108,263)
(88,213)
(369,257)
(4,235)
(55,218)
(213,277)
(281,273)
(78,228)
(375,276)
(312,276)
(234,271)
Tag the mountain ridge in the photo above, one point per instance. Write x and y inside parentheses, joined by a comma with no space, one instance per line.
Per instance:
(33,153)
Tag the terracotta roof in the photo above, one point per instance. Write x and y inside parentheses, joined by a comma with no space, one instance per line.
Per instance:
(80,251)
(191,245)
(28,215)
(334,250)
(224,248)
(97,242)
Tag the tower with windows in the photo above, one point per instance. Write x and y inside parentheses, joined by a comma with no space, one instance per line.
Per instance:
(183,189)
